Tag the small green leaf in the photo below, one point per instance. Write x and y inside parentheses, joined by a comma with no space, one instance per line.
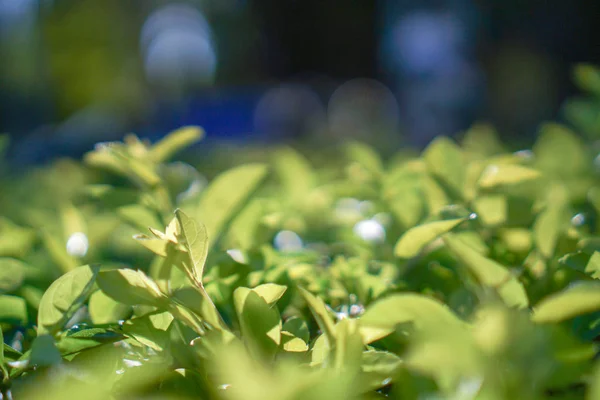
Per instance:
(506,174)
(15,241)
(581,298)
(150,330)
(260,324)
(348,347)
(593,266)
(195,240)
(138,216)
(85,339)
(415,239)
(294,172)
(378,369)
(200,303)
(13,310)
(492,210)
(292,344)
(44,352)
(320,313)
(105,310)
(11,274)
(426,314)
(297,327)
(174,142)
(587,77)
(226,195)
(64,297)
(130,287)
(157,246)
(270,292)
(551,222)
(366,157)
(445,161)
(488,272)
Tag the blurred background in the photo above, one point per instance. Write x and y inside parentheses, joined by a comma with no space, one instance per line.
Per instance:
(390,72)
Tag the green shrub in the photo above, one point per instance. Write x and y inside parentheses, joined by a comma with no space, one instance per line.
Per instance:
(465,272)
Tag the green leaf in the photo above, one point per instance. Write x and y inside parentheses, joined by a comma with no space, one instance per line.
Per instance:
(11,274)
(581,298)
(5,374)
(593,391)
(294,172)
(366,157)
(175,141)
(378,369)
(200,303)
(244,228)
(138,216)
(495,175)
(226,195)
(559,152)
(195,240)
(321,315)
(157,246)
(270,292)
(593,266)
(297,327)
(488,272)
(130,287)
(587,77)
(492,210)
(413,241)
(44,352)
(13,310)
(292,344)
(381,318)
(445,161)
(64,297)
(260,324)
(15,241)
(86,339)
(551,222)
(105,310)
(150,330)
(348,347)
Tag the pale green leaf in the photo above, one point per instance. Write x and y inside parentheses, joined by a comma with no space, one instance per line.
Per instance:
(130,287)
(581,298)
(150,330)
(195,240)
(366,157)
(64,296)
(157,246)
(413,241)
(320,313)
(174,142)
(495,175)
(13,310)
(292,344)
(260,323)
(488,272)
(11,274)
(105,310)
(270,292)
(381,318)
(297,326)
(445,161)
(225,196)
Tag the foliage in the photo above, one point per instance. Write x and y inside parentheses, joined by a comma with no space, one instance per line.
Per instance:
(466,272)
